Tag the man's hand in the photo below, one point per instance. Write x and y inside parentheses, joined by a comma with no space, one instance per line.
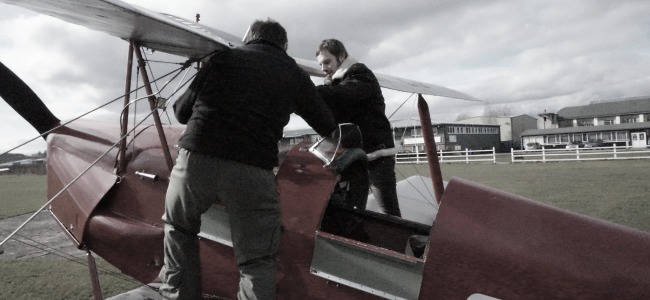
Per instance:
(328,79)
(349,157)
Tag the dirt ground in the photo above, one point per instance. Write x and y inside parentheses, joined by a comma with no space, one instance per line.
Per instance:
(41,237)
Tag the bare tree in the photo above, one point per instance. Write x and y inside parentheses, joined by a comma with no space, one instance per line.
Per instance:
(462,116)
(494,112)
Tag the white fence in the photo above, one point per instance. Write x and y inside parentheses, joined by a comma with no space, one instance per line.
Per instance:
(462,156)
(596,153)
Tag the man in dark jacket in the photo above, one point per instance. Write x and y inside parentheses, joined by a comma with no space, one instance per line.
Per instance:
(243,99)
(352,92)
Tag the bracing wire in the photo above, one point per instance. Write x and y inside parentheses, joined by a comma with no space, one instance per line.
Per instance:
(417,171)
(135,126)
(83,115)
(62,254)
(400,106)
(75,179)
(12,234)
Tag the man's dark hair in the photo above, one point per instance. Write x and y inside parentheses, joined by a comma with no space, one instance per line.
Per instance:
(335,47)
(268,30)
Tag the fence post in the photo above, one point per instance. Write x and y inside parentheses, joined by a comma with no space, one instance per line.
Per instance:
(615,151)
(494,155)
(544,154)
(466,156)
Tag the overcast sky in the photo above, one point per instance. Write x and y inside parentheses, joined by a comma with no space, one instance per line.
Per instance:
(525,56)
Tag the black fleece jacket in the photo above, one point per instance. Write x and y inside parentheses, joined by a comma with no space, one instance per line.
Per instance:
(357,98)
(244,99)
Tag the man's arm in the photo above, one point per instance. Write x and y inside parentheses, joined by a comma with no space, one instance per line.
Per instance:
(358,84)
(184,104)
(313,110)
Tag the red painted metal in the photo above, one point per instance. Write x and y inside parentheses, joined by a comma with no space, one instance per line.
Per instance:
(120,222)
(125,112)
(69,155)
(305,186)
(123,223)
(94,278)
(430,145)
(483,240)
(509,247)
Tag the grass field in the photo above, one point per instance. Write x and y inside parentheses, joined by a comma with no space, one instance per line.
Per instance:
(21,194)
(616,191)
(47,278)
(34,279)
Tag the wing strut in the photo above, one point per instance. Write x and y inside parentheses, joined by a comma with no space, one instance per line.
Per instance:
(94,277)
(125,115)
(152,105)
(430,145)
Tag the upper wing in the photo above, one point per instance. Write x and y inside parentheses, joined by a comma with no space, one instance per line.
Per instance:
(395,83)
(157,31)
(170,34)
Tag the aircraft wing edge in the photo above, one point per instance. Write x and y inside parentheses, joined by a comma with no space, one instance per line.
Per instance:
(158,31)
(395,83)
(418,87)
(175,35)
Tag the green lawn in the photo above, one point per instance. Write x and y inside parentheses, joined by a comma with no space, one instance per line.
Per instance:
(58,279)
(21,194)
(47,278)
(616,191)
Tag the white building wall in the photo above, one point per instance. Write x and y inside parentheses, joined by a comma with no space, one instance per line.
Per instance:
(548,124)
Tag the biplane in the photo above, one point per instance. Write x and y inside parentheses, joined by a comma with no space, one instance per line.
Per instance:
(107,181)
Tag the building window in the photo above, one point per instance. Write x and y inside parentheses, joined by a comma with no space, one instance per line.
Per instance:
(586,122)
(629,119)
(416,131)
(607,136)
(592,136)
(608,122)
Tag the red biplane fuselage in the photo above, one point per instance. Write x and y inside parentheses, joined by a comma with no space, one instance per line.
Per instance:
(484,242)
